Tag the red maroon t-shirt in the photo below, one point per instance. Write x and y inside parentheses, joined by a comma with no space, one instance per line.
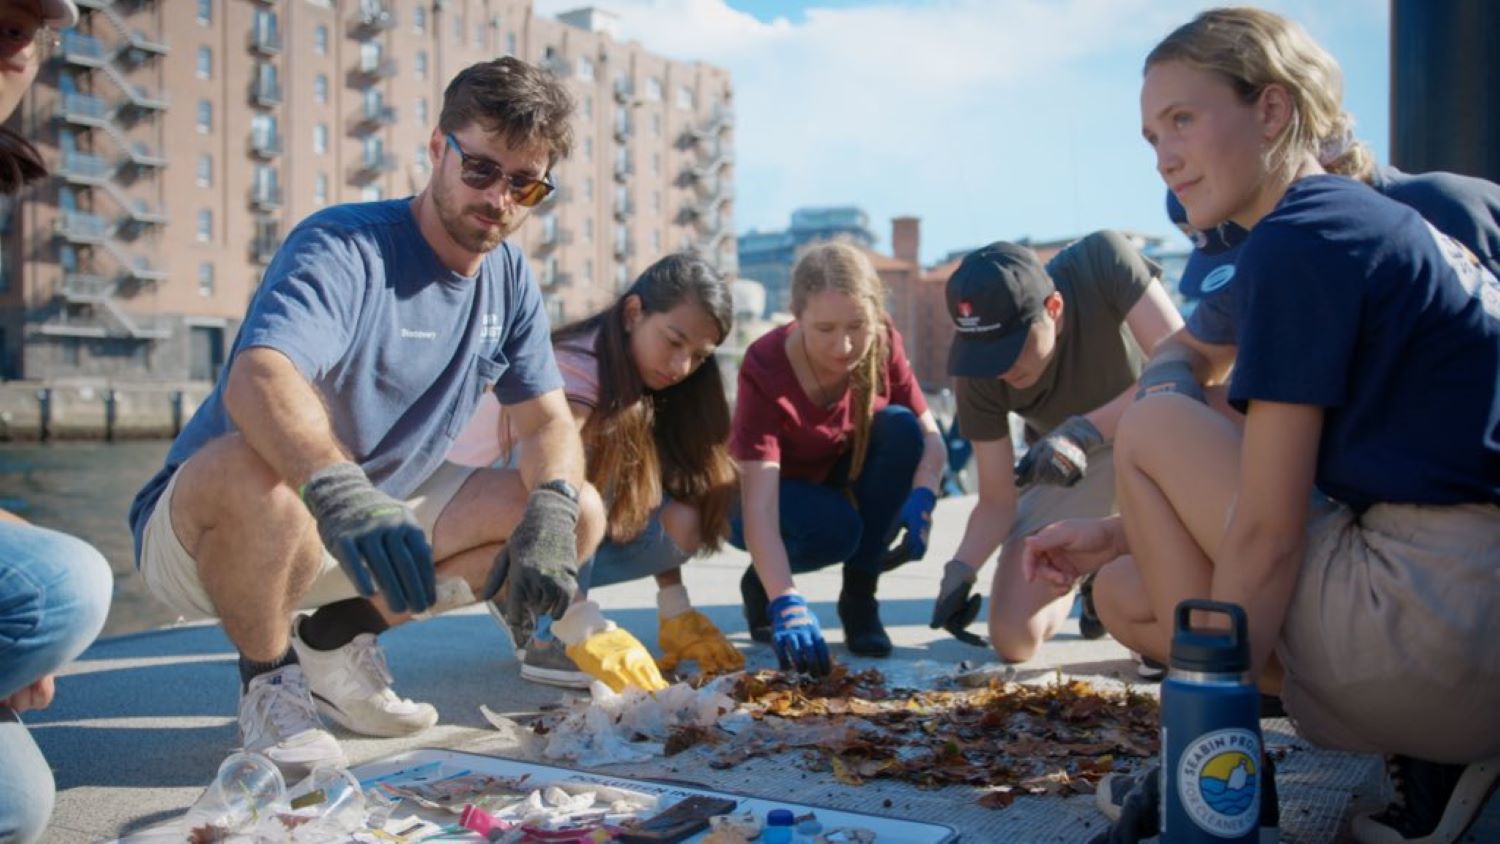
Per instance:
(775,421)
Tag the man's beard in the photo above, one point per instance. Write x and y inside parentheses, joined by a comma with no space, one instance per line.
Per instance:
(464,229)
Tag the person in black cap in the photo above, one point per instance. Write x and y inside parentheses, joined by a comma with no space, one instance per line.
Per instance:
(1060,346)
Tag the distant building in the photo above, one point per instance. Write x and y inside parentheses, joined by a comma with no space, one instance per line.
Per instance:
(188,137)
(768,257)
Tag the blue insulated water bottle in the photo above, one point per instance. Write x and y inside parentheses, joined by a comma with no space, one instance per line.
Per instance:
(1210,732)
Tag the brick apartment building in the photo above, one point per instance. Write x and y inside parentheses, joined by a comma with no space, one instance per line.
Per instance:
(186,137)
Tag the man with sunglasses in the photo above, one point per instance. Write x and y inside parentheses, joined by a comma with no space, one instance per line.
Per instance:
(313,475)
(1059,345)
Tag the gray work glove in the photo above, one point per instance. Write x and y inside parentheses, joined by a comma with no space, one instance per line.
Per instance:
(1169,376)
(372,534)
(1061,457)
(540,560)
(955,608)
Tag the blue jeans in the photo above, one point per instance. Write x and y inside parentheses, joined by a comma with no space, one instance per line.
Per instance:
(54,594)
(819,524)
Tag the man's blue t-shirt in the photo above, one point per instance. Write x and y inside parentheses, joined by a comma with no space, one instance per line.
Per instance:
(1352,302)
(399,347)
(1462,207)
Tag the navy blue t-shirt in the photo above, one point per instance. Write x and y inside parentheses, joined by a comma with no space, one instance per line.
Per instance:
(1462,207)
(1354,303)
(399,346)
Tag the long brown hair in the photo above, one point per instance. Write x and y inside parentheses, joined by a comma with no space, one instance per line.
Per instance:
(641,442)
(842,268)
(20,162)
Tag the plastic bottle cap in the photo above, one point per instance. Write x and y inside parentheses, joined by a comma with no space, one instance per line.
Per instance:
(780,817)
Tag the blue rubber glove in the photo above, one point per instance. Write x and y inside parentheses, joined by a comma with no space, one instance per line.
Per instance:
(372,534)
(796,636)
(916,522)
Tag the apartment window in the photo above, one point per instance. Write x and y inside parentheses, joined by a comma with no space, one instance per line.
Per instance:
(205,116)
(586,70)
(419,20)
(205,225)
(622,276)
(656,243)
(320,40)
(205,63)
(510,43)
(421,64)
(205,170)
(588,149)
(479,36)
(205,279)
(205,12)
(320,189)
(320,138)
(421,159)
(422,114)
(684,97)
(655,163)
(588,272)
(588,187)
(656,200)
(656,125)
(320,87)
(371,193)
(653,89)
(588,235)
(458,28)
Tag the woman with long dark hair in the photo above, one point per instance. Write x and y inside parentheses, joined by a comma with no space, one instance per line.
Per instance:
(54,588)
(650,404)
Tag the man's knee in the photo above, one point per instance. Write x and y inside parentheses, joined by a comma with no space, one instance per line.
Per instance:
(227,479)
(1014,642)
(592,520)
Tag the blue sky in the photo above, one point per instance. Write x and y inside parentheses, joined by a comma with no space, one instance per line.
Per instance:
(988,119)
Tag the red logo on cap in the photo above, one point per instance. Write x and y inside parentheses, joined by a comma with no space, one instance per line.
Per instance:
(965,309)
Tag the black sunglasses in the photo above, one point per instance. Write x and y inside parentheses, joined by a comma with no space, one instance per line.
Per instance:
(481,173)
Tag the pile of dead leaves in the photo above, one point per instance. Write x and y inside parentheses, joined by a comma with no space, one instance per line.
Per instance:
(1008,738)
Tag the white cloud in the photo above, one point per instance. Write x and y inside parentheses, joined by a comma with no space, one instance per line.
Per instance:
(987,118)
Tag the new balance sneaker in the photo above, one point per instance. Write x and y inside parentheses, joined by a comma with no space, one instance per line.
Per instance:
(1431,802)
(279,721)
(352,685)
(545,661)
(1113,797)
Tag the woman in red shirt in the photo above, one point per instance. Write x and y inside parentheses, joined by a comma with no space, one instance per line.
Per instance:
(837,453)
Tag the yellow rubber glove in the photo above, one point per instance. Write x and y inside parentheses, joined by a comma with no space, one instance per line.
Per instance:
(691,636)
(617,659)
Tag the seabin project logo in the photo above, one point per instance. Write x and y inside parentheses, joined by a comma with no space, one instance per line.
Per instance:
(1218,781)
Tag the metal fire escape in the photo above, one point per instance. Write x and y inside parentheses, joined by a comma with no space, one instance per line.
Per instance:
(89,289)
(712,179)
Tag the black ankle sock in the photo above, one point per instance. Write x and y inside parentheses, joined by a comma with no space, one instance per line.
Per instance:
(335,625)
(249,669)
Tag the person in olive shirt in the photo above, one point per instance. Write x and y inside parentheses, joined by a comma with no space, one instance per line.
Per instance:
(1060,346)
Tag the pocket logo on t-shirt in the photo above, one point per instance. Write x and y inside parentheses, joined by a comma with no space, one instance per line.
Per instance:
(1218,278)
(490,327)
(1474,277)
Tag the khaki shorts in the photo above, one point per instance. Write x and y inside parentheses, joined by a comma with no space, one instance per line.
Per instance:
(1392,641)
(171,573)
(1093,497)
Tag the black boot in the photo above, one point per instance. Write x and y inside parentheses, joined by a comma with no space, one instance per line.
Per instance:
(757,606)
(864,635)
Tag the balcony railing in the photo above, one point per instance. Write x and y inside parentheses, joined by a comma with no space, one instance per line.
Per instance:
(624,208)
(84,108)
(623,128)
(80,49)
(265,197)
(373,116)
(265,40)
(85,287)
(624,91)
(554,237)
(82,227)
(377,67)
(263,249)
(84,168)
(265,144)
(372,17)
(265,94)
(370,166)
(623,169)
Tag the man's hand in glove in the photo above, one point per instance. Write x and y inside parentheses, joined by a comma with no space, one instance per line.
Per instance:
(1169,376)
(691,636)
(373,536)
(797,638)
(540,560)
(955,608)
(1062,456)
(605,652)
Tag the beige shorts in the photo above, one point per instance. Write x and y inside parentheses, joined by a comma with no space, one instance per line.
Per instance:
(1392,641)
(1093,497)
(171,573)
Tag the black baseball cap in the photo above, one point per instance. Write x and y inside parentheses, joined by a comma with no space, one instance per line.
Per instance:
(994,296)
(1210,266)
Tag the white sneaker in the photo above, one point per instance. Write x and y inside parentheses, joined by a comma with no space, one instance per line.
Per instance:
(352,685)
(278,721)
